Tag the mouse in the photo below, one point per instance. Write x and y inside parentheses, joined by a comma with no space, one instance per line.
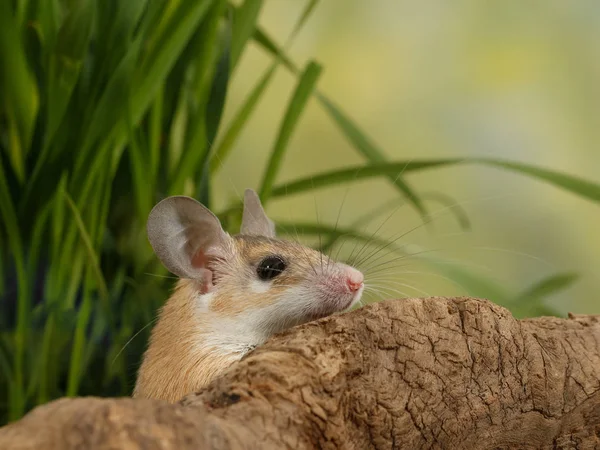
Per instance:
(233,292)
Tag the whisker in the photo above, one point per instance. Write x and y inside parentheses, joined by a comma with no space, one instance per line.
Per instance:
(397,283)
(402,257)
(337,220)
(161,276)
(519,253)
(319,231)
(444,210)
(131,339)
(388,218)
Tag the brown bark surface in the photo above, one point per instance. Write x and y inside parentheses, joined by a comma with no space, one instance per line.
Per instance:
(403,374)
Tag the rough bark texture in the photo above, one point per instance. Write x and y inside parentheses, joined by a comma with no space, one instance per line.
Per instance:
(403,374)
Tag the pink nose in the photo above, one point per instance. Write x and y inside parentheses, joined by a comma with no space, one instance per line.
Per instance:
(354,282)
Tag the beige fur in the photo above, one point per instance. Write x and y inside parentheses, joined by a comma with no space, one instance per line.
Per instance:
(220,309)
(176,363)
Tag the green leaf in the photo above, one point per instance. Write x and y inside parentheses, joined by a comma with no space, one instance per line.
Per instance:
(18,91)
(356,173)
(573,184)
(351,131)
(244,21)
(109,109)
(312,229)
(44,19)
(144,77)
(396,204)
(576,185)
(240,119)
(365,146)
(297,104)
(269,45)
(549,286)
(65,65)
(94,265)
(218,93)
(155,135)
(211,94)
(362,143)
(142,183)
(208,79)
(156,66)
(475,283)
(11,228)
(77,352)
(308,10)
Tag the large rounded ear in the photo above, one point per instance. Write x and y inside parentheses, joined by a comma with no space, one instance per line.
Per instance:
(254,219)
(185,235)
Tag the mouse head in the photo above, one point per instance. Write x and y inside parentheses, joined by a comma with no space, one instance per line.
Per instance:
(271,284)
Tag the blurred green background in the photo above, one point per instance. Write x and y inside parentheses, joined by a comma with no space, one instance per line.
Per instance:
(449,149)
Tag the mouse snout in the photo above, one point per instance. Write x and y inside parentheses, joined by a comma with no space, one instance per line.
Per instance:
(354,279)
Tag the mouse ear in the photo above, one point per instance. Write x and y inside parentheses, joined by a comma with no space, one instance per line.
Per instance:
(185,235)
(254,219)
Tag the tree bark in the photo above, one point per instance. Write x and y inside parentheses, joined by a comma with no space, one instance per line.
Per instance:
(403,374)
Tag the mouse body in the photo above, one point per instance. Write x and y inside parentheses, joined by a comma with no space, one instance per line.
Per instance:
(234,292)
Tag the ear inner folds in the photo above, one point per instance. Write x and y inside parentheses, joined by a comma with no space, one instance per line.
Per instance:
(200,262)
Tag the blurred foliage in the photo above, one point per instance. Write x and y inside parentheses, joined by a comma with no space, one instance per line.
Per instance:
(107,107)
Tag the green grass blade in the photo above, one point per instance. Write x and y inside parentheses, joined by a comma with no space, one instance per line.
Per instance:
(36,241)
(308,10)
(43,393)
(396,204)
(156,67)
(146,80)
(21,7)
(18,91)
(240,119)
(44,19)
(452,205)
(364,220)
(94,265)
(475,283)
(356,173)
(573,184)
(2,268)
(6,369)
(142,184)
(479,285)
(353,133)
(312,229)
(211,90)
(77,352)
(214,114)
(297,104)
(583,188)
(218,90)
(367,148)
(244,21)
(531,302)
(65,65)
(109,108)
(548,286)
(262,39)
(14,238)
(155,135)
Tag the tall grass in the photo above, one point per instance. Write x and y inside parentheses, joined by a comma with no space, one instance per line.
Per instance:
(107,107)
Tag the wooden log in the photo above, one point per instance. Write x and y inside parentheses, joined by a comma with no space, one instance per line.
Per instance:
(447,373)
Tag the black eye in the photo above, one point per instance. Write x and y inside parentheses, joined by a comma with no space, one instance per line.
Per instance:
(270,267)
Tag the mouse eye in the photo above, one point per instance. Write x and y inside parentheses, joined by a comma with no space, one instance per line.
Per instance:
(270,267)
